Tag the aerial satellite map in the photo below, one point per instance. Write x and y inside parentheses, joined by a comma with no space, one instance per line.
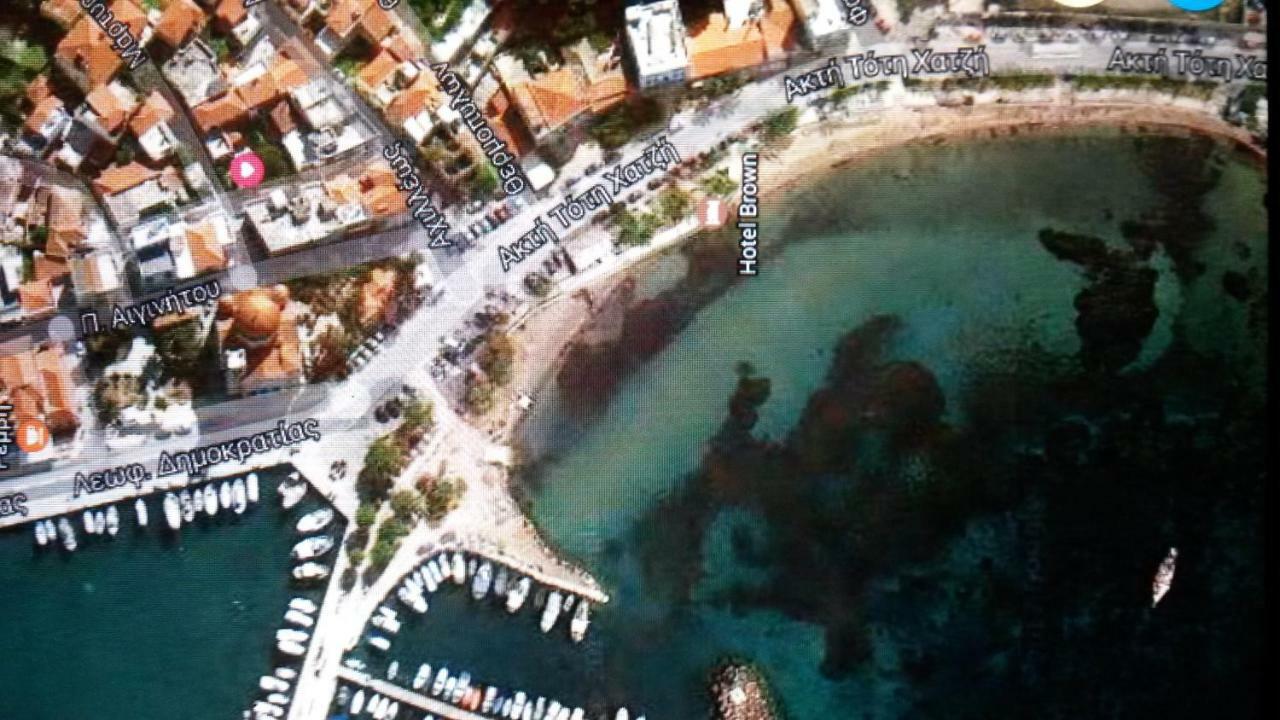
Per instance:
(634,359)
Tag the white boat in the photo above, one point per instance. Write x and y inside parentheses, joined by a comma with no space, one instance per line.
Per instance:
(312,547)
(315,521)
(551,611)
(459,569)
(553,709)
(291,494)
(428,579)
(471,567)
(300,619)
(483,579)
(501,581)
(375,706)
(172,511)
(505,710)
(302,604)
(286,673)
(357,702)
(459,690)
(581,619)
(289,647)
(42,537)
(517,707)
(487,704)
(383,622)
(311,571)
(392,711)
(567,605)
(424,674)
(99,522)
(50,531)
(280,699)
(622,714)
(1163,580)
(517,594)
(252,486)
(433,571)
(528,712)
(90,527)
(437,686)
(564,713)
(393,669)
(449,686)
(224,495)
(188,506)
(271,683)
(539,707)
(412,599)
(380,642)
(239,497)
(113,521)
(266,708)
(140,511)
(299,636)
(210,500)
(577,714)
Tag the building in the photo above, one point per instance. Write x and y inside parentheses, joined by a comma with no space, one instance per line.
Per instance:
(655,38)
(37,383)
(319,211)
(180,20)
(258,341)
(749,36)
(823,25)
(151,126)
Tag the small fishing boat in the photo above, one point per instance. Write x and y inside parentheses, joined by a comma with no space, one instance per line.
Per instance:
(271,683)
(482,581)
(239,497)
(442,676)
(581,619)
(99,522)
(379,642)
(459,569)
(315,521)
(303,605)
(42,537)
(90,527)
(622,714)
(516,596)
(501,582)
(291,648)
(172,511)
(113,521)
(286,673)
(300,619)
(251,485)
(278,699)
(551,611)
(291,494)
(357,702)
(188,505)
(311,571)
(140,511)
(487,704)
(540,707)
(392,711)
(68,534)
(1163,579)
(299,636)
(393,669)
(224,495)
(424,674)
(265,708)
(210,500)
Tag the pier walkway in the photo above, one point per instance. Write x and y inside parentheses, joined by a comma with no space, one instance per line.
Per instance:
(407,697)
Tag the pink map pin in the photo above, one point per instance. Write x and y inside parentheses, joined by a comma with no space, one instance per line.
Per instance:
(247,169)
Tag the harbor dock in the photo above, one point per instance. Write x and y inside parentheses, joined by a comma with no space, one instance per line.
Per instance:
(407,697)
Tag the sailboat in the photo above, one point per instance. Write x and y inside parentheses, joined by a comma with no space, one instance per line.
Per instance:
(1163,580)
(140,510)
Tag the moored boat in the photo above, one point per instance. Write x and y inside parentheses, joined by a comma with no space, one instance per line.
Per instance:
(315,520)
(140,511)
(483,578)
(90,527)
(312,547)
(291,493)
(303,604)
(291,648)
(459,569)
(517,594)
(300,619)
(239,497)
(357,702)
(188,505)
(251,486)
(551,611)
(224,495)
(393,669)
(210,500)
(42,538)
(487,704)
(442,677)
(1163,579)
(424,674)
(622,714)
(286,673)
(172,511)
(113,521)
(311,571)
(99,522)
(501,581)
(271,683)
(298,636)
(379,642)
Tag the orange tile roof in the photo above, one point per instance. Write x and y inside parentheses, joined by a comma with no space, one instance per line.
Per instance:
(343,189)
(505,121)
(282,118)
(179,21)
(118,178)
(220,111)
(405,45)
(41,114)
(378,70)
(345,14)
(63,12)
(153,112)
(57,382)
(280,359)
(258,91)
(131,15)
(38,385)
(50,268)
(607,91)
(376,24)
(715,48)
(206,252)
(111,111)
(379,193)
(423,94)
(36,296)
(550,100)
(89,50)
(63,241)
(231,12)
(287,74)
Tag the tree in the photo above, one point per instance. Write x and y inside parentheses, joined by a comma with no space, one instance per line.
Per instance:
(179,348)
(419,414)
(779,124)
(484,183)
(382,462)
(498,358)
(114,393)
(719,183)
(443,496)
(408,506)
(674,204)
(480,396)
(366,515)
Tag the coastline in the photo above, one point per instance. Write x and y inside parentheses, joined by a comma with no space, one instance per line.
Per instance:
(547,333)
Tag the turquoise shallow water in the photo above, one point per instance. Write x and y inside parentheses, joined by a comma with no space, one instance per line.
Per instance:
(149,626)
(944,238)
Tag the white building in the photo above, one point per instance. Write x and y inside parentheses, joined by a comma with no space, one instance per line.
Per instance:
(655,37)
(823,23)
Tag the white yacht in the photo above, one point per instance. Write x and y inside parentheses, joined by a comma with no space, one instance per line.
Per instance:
(303,605)
(392,711)
(429,579)
(517,707)
(577,714)
(517,594)
(188,507)
(581,619)
(140,511)
(540,707)
(172,511)
(286,673)
(564,713)
(375,707)
(99,522)
(280,699)
(553,709)
(480,584)
(459,569)
(42,538)
(266,708)
(501,581)
(311,571)
(433,571)
(239,497)
(385,622)
(622,714)
(393,669)
(505,710)
(442,677)
(357,702)
(291,648)
(87,519)
(424,674)
(291,493)
(271,683)
(412,599)
(528,712)
(380,642)
(487,704)
(449,685)
(300,619)
(312,547)
(50,531)
(1163,579)
(551,611)
(251,485)
(459,690)
(210,500)
(224,495)
(315,521)
(298,636)
(113,521)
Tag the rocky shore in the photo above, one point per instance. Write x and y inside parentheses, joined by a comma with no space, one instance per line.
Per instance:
(741,694)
